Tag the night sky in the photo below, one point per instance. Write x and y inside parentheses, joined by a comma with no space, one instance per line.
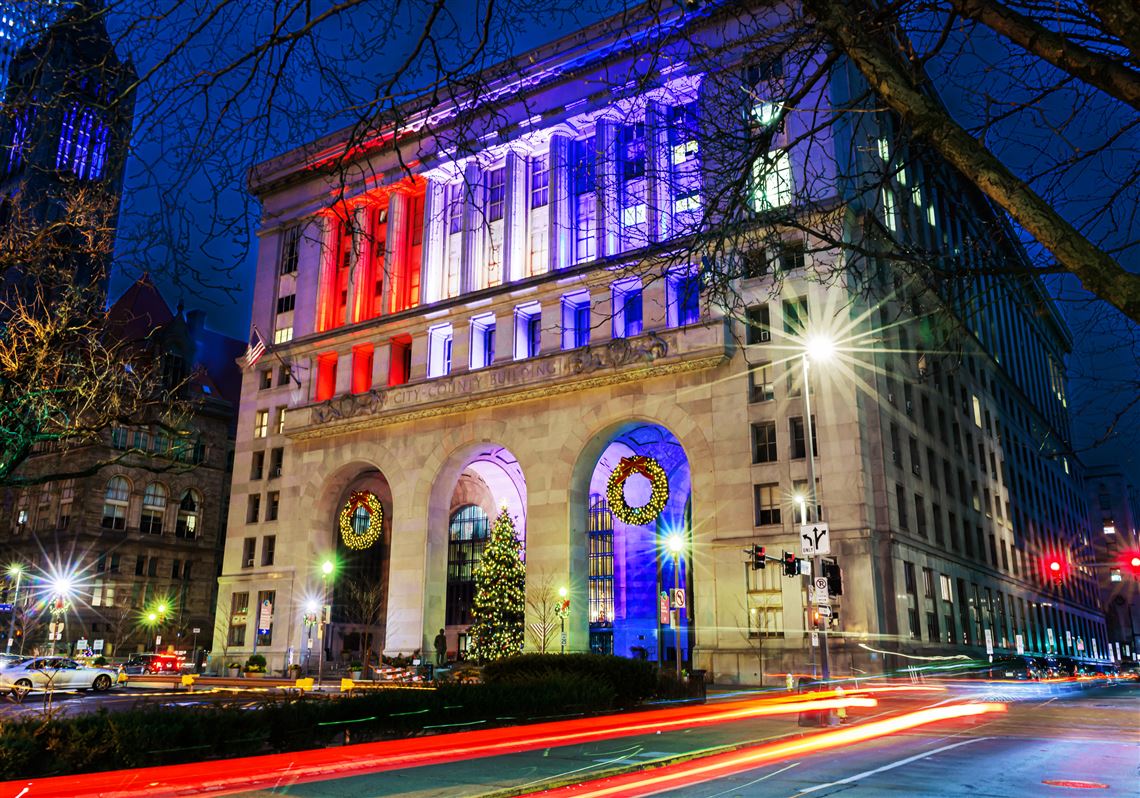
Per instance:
(188,221)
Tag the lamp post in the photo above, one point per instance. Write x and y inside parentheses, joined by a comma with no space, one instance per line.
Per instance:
(61,586)
(820,349)
(157,618)
(326,611)
(675,543)
(15,571)
(563,611)
(312,614)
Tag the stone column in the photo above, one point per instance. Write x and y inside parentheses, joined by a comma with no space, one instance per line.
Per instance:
(515,217)
(609,205)
(560,227)
(431,269)
(381,362)
(474,229)
(361,283)
(310,267)
(395,249)
(658,168)
(654,296)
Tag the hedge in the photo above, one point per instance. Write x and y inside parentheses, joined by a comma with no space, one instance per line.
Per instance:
(631,680)
(141,737)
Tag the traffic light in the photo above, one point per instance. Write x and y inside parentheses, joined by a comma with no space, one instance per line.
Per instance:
(759,557)
(791,564)
(834,577)
(1056,568)
(1132,563)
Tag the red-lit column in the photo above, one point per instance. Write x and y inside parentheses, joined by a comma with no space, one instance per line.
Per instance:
(361,282)
(327,232)
(395,288)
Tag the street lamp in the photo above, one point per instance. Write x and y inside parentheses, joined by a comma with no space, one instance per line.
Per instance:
(676,543)
(157,619)
(312,614)
(820,348)
(563,611)
(327,568)
(15,571)
(61,587)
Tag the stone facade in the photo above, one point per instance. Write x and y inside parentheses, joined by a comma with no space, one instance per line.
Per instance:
(415,359)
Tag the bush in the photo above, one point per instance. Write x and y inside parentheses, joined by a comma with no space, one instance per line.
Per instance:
(631,681)
(99,661)
(33,747)
(256,662)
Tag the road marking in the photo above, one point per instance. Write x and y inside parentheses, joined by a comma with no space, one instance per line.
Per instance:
(754,781)
(892,766)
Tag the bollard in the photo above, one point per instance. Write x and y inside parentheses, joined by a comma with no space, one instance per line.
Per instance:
(347,685)
(188,681)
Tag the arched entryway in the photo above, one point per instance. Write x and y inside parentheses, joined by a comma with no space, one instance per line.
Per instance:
(473,485)
(356,586)
(628,565)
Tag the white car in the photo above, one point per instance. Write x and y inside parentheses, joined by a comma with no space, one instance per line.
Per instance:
(56,673)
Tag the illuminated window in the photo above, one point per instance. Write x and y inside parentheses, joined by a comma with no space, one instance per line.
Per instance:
(496,196)
(890,211)
(115,503)
(362,368)
(22,121)
(283,335)
(439,350)
(467,538)
(326,376)
(771,181)
(153,509)
(538,220)
(767,504)
(528,330)
(83,143)
(290,250)
(627,308)
(685,164)
(576,320)
(261,423)
(454,257)
(683,297)
(632,186)
(600,560)
(281,411)
(482,341)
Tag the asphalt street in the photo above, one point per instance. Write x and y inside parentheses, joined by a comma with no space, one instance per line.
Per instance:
(1090,736)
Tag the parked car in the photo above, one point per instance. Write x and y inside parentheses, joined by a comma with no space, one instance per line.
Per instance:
(152,663)
(11,659)
(1013,666)
(58,673)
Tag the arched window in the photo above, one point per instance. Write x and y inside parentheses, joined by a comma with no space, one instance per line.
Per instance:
(115,503)
(600,556)
(153,509)
(467,537)
(189,507)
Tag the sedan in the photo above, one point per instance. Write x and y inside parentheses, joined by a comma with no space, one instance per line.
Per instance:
(56,673)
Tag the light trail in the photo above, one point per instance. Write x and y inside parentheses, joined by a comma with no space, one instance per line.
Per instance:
(244,774)
(716,766)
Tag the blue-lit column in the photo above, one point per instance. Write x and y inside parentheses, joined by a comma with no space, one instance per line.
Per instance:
(561,222)
(658,163)
(609,208)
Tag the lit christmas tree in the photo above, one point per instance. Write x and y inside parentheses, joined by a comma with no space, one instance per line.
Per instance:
(500,595)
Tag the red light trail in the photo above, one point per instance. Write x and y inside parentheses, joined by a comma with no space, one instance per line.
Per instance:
(672,777)
(275,770)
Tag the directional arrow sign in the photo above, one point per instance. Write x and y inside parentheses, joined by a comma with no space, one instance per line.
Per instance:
(815,539)
(824,610)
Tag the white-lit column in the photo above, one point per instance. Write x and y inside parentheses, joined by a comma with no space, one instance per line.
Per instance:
(431,270)
(515,218)
(472,259)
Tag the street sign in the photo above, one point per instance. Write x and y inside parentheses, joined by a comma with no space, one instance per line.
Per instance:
(265,617)
(819,588)
(5,607)
(81,644)
(678,598)
(97,646)
(1069,638)
(196,630)
(824,610)
(663,608)
(1049,636)
(157,641)
(1080,644)
(815,639)
(563,638)
(989,642)
(1020,644)
(805,567)
(815,539)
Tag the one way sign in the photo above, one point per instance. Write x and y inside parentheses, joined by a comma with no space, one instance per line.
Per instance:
(815,539)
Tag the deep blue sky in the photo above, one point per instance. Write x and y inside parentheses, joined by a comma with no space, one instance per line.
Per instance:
(192,148)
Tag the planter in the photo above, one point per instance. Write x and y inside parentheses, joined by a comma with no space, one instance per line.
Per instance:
(356,676)
(255,674)
(233,673)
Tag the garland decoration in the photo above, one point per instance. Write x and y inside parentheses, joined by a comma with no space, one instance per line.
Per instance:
(371,505)
(649,468)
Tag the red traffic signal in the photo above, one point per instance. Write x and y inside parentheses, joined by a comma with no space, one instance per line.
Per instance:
(791,564)
(759,557)
(1056,568)
(1132,563)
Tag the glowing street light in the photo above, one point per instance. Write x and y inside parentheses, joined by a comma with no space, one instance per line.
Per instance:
(562,611)
(675,543)
(820,348)
(61,588)
(327,568)
(15,572)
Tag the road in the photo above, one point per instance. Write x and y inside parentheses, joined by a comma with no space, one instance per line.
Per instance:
(72,702)
(1091,736)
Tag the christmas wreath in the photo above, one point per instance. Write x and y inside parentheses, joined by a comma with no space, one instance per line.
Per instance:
(371,505)
(659,484)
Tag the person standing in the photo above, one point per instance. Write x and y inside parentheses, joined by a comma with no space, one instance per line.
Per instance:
(440,649)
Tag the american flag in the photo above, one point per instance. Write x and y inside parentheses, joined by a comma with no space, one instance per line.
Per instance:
(256,349)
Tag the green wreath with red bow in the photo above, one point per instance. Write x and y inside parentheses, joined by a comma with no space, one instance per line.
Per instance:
(658,482)
(371,504)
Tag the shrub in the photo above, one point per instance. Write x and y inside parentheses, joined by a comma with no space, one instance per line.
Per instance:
(631,681)
(256,662)
(99,661)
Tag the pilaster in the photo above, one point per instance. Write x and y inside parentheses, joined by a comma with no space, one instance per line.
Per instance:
(561,232)
(609,207)
(515,217)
